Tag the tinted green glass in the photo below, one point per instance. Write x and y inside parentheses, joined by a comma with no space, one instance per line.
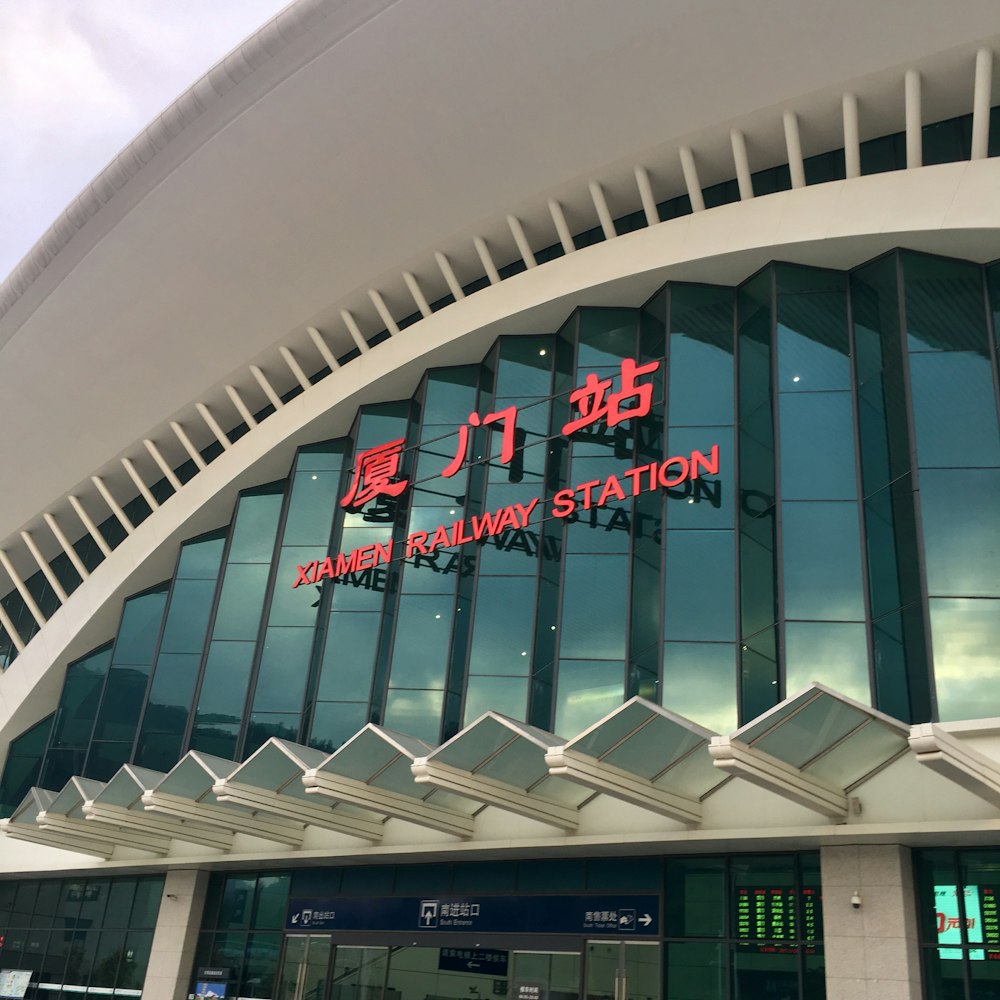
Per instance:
(311,508)
(349,656)
(835,653)
(700,585)
(255,528)
(201,560)
(503,630)
(290,604)
(284,669)
(334,723)
(122,703)
(961,562)
(506,695)
(701,355)
(594,611)
(586,690)
(699,682)
(606,336)
(954,409)
(187,616)
(695,971)
(966,635)
(140,628)
(822,561)
(422,641)
(171,692)
(696,888)
(817,446)
(224,686)
(240,602)
(80,699)
(415,712)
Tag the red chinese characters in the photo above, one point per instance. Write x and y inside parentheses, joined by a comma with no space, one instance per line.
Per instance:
(376,473)
(594,402)
(507,445)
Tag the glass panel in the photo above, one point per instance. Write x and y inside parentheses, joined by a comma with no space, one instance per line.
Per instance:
(966,636)
(359,973)
(200,560)
(140,628)
(503,630)
(833,653)
(284,670)
(700,585)
(695,971)
(241,600)
(415,712)
(603,970)
(696,889)
(334,723)
(817,446)
(348,658)
(506,695)
(255,528)
(822,562)
(187,617)
(586,691)
(765,973)
(699,682)
(595,607)
(422,641)
(556,974)
(803,734)
(954,409)
(961,521)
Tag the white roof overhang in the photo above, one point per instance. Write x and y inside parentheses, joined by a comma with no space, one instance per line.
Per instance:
(187,793)
(372,770)
(642,754)
(67,814)
(813,749)
(23,825)
(120,804)
(956,760)
(271,782)
(501,763)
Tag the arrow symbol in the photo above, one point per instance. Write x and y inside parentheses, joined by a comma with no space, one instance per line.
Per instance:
(295,919)
(472,965)
(645,920)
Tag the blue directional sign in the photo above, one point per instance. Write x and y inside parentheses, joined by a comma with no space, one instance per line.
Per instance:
(626,915)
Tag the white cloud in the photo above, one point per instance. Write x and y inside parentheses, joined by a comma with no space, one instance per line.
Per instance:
(80,78)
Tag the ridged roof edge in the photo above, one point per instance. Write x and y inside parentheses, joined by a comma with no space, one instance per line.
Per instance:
(239,65)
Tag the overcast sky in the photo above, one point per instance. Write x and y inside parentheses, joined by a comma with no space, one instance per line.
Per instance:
(79,79)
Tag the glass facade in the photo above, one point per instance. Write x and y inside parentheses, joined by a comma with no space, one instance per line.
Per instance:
(709,501)
(957,900)
(741,926)
(80,935)
(945,141)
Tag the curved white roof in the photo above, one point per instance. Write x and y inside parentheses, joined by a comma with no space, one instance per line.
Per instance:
(348,141)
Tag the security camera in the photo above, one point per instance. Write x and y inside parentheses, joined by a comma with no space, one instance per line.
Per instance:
(856,901)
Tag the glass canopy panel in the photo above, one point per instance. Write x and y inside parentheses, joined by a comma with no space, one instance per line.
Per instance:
(475,744)
(194,776)
(655,747)
(521,764)
(126,787)
(566,793)
(276,764)
(694,776)
(863,752)
(609,732)
(368,753)
(816,727)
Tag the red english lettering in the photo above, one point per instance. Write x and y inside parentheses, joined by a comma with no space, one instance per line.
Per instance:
(710,466)
(563,503)
(664,476)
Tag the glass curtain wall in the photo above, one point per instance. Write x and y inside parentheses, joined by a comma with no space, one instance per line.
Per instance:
(80,935)
(848,534)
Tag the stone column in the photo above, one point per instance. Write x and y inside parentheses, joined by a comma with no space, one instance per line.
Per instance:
(176,935)
(871,952)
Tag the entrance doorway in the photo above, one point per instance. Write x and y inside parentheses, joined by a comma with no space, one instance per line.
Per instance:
(623,970)
(314,968)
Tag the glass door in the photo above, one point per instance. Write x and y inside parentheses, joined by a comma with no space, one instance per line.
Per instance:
(544,975)
(359,973)
(305,968)
(623,970)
